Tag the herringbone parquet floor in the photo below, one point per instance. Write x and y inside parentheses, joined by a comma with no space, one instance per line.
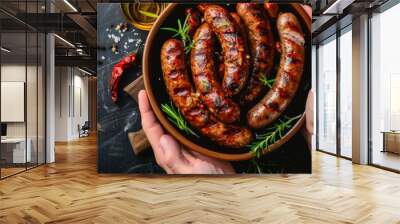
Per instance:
(71,191)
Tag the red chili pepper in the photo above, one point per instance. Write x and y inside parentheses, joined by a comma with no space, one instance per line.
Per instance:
(117,73)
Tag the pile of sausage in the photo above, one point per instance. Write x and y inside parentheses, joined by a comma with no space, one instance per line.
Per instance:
(225,84)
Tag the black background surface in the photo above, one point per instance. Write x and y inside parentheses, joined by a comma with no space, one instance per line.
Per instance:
(115,154)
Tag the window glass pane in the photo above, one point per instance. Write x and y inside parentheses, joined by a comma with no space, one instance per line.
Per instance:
(346,94)
(314,87)
(31,98)
(385,84)
(327,96)
(22,88)
(32,83)
(13,86)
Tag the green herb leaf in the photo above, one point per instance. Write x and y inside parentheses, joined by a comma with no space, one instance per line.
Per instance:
(189,47)
(169,29)
(179,25)
(183,33)
(148,14)
(257,166)
(267,82)
(263,141)
(177,119)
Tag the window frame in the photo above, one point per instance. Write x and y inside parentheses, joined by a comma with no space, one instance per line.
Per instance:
(31,30)
(381,9)
(337,35)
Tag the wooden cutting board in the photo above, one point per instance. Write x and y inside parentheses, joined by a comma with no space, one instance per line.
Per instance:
(138,139)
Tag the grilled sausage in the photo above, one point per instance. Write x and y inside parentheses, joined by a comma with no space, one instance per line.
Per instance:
(261,48)
(187,101)
(242,29)
(205,77)
(288,77)
(194,20)
(202,7)
(233,48)
(272,9)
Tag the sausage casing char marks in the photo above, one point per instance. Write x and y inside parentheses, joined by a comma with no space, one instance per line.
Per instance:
(242,29)
(205,77)
(187,101)
(236,65)
(261,48)
(288,77)
(178,85)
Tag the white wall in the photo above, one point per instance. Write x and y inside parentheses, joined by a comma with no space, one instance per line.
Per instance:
(79,118)
(16,73)
(70,83)
(61,103)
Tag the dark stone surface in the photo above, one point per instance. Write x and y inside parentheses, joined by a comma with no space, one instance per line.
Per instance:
(115,154)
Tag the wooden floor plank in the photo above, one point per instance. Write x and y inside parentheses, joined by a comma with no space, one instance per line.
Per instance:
(71,191)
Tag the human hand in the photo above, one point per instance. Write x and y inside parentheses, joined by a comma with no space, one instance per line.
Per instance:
(308,10)
(171,155)
(308,129)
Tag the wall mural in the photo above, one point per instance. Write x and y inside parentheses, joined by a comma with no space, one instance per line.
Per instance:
(225,88)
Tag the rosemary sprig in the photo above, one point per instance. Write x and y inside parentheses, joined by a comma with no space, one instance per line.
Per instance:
(183,32)
(148,14)
(189,47)
(257,166)
(267,82)
(263,141)
(176,118)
